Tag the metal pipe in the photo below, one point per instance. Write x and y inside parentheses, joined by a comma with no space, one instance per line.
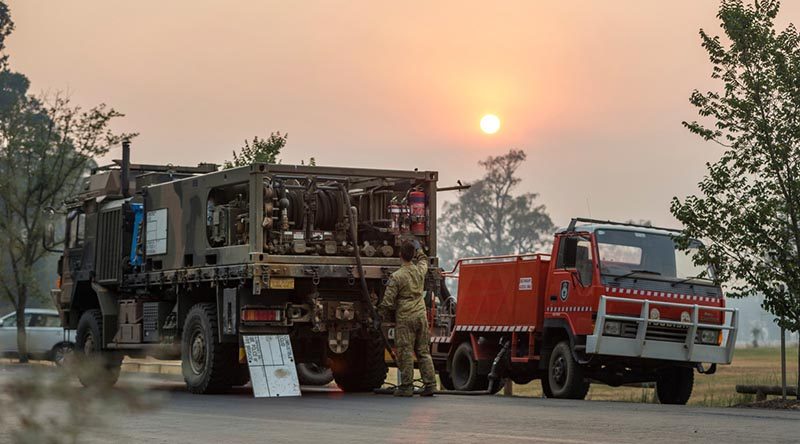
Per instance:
(125,169)
(361,276)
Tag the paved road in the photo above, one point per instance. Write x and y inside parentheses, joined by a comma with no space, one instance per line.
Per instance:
(331,416)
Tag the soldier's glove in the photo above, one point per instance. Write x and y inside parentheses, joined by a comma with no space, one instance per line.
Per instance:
(416,244)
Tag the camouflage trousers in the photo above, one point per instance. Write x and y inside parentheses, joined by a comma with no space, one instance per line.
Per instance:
(412,336)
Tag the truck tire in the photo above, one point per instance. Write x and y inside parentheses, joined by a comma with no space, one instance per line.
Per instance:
(564,375)
(60,353)
(362,367)
(208,366)
(314,374)
(464,370)
(674,385)
(446,381)
(98,367)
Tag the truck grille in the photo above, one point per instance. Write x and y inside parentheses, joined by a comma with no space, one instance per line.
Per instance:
(109,246)
(656,332)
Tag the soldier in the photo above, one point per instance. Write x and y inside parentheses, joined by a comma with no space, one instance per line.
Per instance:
(403,296)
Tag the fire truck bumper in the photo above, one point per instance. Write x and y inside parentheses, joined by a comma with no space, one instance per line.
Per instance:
(642,337)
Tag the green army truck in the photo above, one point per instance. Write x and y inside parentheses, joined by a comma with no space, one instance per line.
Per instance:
(180,262)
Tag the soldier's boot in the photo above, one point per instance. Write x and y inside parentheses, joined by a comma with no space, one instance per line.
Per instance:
(428,390)
(403,391)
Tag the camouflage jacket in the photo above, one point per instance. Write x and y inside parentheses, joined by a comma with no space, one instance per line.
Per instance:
(403,294)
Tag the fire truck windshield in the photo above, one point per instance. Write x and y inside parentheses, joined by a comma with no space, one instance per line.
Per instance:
(624,253)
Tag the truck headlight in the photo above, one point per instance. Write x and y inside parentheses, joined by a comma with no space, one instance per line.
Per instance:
(612,328)
(709,336)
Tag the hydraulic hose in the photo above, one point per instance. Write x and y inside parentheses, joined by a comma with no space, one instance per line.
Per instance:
(360,266)
(494,377)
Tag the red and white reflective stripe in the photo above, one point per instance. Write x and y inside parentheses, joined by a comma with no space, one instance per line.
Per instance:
(496,328)
(612,291)
(570,309)
(439,339)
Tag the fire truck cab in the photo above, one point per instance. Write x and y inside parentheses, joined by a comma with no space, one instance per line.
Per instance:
(613,303)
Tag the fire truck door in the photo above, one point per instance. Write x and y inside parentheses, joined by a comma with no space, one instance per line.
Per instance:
(569,288)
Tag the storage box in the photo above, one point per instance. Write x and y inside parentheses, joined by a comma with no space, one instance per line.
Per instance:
(130,312)
(129,334)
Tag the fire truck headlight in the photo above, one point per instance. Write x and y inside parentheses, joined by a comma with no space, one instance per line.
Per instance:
(612,328)
(708,336)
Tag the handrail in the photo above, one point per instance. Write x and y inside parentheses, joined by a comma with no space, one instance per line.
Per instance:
(490,259)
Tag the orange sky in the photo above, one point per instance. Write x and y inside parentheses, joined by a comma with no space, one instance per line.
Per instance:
(594,91)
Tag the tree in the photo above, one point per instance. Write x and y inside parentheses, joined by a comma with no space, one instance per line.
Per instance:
(260,150)
(46,145)
(749,206)
(488,220)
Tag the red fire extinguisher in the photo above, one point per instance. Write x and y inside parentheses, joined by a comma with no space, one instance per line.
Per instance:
(416,200)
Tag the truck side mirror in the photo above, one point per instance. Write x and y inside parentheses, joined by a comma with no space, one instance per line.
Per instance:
(570,250)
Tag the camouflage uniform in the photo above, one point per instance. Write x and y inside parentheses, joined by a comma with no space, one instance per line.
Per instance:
(403,296)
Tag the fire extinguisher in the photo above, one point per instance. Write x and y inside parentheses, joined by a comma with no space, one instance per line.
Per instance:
(416,200)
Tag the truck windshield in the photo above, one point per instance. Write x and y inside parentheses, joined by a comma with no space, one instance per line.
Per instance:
(625,252)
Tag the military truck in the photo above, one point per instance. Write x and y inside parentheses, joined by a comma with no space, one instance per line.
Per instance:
(181,262)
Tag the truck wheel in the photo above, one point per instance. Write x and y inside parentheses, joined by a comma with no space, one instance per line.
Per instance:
(464,370)
(446,381)
(313,374)
(564,375)
(674,385)
(362,367)
(98,367)
(60,353)
(208,366)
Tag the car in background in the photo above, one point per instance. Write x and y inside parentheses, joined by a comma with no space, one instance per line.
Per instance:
(47,339)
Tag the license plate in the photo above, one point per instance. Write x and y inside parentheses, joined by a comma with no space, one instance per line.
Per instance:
(277,283)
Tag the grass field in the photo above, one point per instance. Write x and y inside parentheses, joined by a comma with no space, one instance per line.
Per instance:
(750,366)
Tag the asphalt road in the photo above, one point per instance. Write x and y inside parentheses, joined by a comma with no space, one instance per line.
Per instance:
(331,416)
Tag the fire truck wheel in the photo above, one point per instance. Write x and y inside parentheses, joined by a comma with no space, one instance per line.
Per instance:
(674,385)
(98,367)
(208,366)
(313,374)
(362,367)
(564,375)
(464,370)
(446,381)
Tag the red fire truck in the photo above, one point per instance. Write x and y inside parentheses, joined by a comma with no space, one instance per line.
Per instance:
(614,303)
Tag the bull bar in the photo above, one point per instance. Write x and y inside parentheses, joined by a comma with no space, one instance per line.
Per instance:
(640,347)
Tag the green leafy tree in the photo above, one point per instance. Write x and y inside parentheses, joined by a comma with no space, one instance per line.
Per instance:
(488,219)
(46,145)
(749,206)
(259,150)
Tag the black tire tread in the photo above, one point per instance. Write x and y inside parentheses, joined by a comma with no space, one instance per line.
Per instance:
(362,368)
(225,370)
(111,361)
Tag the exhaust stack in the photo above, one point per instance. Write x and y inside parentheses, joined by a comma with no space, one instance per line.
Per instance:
(126,168)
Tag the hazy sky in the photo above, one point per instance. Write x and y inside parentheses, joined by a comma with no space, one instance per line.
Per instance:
(593,91)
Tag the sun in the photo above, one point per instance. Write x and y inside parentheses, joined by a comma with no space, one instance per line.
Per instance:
(490,124)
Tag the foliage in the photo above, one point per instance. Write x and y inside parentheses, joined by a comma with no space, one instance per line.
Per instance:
(487,219)
(749,207)
(258,151)
(46,145)
(44,405)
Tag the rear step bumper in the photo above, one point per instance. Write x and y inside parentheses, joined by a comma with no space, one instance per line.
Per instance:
(687,350)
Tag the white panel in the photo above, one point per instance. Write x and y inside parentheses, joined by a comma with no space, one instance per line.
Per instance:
(272,366)
(525,283)
(156,235)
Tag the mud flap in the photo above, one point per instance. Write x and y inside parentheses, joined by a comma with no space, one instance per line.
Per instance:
(272,367)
